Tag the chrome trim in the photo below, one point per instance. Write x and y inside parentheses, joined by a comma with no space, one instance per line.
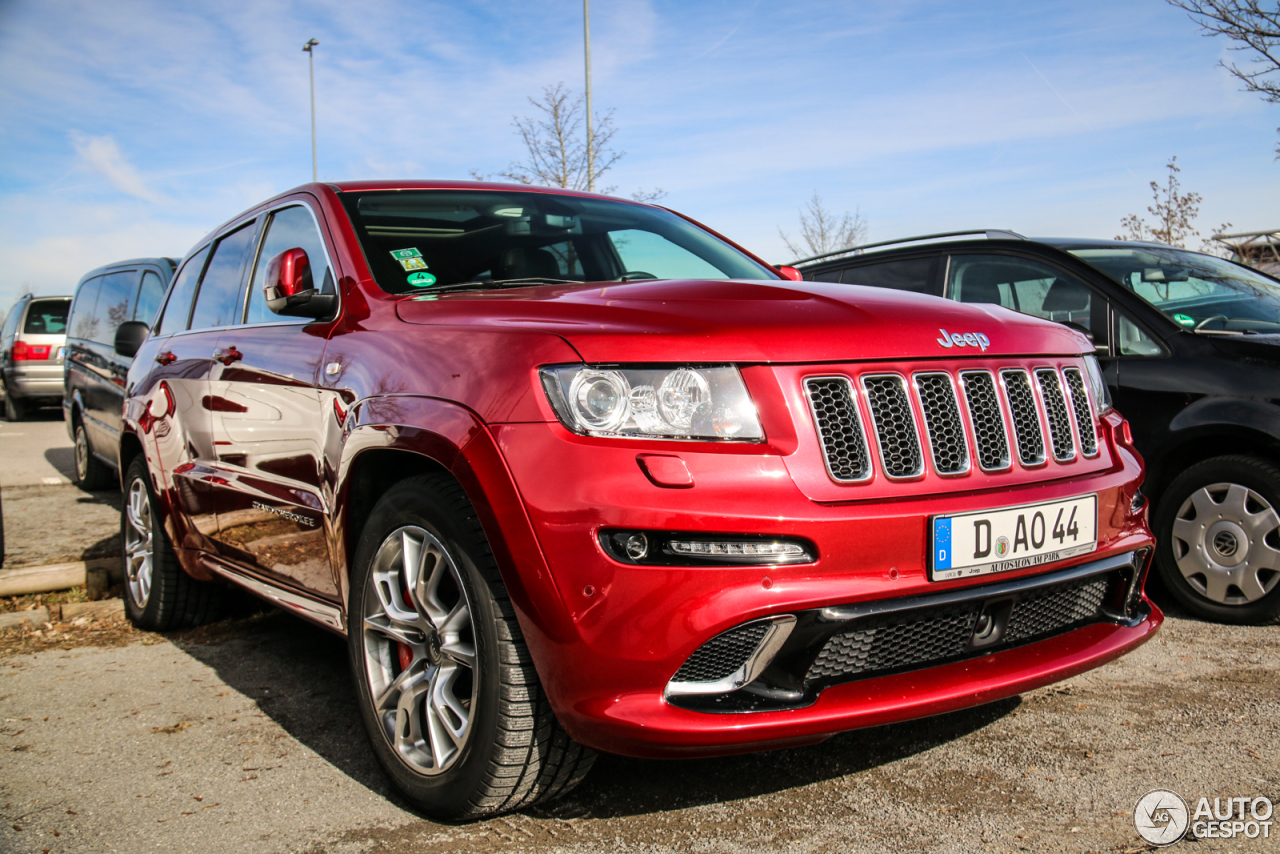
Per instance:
(1043,459)
(1005,428)
(857,415)
(1092,407)
(304,606)
(1067,406)
(755,664)
(875,427)
(964,437)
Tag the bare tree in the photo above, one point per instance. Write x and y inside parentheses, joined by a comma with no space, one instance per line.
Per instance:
(1255,30)
(823,231)
(1174,213)
(556,147)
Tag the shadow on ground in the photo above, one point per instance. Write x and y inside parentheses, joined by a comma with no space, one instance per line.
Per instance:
(300,677)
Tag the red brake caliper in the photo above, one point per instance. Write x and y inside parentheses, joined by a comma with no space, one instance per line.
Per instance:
(406,653)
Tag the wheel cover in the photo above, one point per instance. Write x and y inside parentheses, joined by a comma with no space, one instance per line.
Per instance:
(82,453)
(419,650)
(139,548)
(1220,544)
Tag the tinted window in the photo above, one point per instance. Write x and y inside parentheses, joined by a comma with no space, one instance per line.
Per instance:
(289,229)
(47,317)
(826,276)
(149,296)
(84,318)
(218,303)
(910,274)
(184,288)
(1026,286)
(114,306)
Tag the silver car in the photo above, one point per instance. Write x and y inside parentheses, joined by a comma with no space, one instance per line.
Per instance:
(32,342)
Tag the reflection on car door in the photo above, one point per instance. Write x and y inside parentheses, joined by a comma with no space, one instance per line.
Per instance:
(267,427)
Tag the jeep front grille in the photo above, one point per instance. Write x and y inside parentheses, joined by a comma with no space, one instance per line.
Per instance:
(961,416)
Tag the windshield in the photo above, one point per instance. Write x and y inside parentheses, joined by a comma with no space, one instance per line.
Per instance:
(1195,291)
(439,238)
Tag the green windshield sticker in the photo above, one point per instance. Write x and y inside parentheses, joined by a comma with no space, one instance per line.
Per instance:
(400,254)
(1185,320)
(421,280)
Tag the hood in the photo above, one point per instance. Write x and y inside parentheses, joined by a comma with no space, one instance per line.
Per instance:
(746,321)
(1260,349)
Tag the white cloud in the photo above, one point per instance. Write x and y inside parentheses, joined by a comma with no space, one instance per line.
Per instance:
(102,155)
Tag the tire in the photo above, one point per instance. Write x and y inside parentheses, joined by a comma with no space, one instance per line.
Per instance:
(462,728)
(91,473)
(1218,540)
(15,408)
(158,594)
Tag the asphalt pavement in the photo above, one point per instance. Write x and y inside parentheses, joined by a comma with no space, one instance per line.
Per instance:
(37,452)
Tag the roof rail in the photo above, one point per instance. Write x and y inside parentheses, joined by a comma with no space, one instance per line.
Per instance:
(989,233)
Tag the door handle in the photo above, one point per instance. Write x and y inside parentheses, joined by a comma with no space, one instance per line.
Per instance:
(227,355)
(166,357)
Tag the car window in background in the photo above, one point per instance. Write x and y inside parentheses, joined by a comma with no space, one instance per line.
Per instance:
(149,296)
(178,307)
(114,305)
(908,274)
(218,302)
(84,315)
(47,317)
(10,321)
(290,228)
(1022,285)
(1198,292)
(826,276)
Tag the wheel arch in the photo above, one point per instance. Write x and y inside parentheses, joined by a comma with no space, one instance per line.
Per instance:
(1195,443)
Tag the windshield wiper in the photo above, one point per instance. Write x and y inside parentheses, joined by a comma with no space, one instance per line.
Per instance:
(497,284)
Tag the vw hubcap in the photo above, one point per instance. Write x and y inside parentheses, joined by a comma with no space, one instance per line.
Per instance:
(1226,541)
(139,550)
(419,647)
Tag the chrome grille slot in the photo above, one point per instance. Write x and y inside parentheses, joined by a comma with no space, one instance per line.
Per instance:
(895,425)
(1026,417)
(1084,414)
(835,410)
(947,445)
(986,420)
(1055,407)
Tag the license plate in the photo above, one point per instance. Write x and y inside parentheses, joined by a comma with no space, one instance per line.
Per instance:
(1012,538)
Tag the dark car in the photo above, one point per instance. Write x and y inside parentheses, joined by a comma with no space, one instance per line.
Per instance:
(1190,346)
(32,338)
(93,380)
(572,472)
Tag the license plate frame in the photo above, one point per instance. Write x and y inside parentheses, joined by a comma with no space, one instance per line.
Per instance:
(1002,525)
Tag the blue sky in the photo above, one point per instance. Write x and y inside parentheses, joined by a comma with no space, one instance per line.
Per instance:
(133,127)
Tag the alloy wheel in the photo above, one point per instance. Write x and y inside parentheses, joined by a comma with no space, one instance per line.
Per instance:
(139,547)
(1226,543)
(82,454)
(419,649)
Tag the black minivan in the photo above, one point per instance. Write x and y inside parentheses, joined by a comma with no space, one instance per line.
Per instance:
(93,384)
(1190,349)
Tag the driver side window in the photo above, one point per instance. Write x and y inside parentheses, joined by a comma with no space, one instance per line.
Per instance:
(289,228)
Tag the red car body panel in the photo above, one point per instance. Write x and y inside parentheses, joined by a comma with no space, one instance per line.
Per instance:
(452,379)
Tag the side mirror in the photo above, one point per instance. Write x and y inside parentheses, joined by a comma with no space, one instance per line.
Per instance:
(289,289)
(129,337)
(790,273)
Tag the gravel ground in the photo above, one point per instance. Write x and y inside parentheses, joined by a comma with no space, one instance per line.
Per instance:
(59,524)
(243,736)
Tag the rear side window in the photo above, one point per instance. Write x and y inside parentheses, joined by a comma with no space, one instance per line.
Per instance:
(47,317)
(83,321)
(115,304)
(908,274)
(218,303)
(1022,285)
(289,228)
(149,296)
(184,288)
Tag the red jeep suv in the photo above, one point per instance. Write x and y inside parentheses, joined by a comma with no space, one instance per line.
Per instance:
(572,473)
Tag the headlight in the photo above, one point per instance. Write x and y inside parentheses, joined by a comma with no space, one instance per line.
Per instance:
(653,403)
(1097,387)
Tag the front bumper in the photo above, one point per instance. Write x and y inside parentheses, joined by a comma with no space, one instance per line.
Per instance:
(629,628)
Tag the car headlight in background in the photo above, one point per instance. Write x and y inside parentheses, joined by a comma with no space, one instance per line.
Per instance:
(653,403)
(1097,386)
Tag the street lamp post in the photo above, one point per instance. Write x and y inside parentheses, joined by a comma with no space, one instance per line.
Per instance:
(311,62)
(591,153)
